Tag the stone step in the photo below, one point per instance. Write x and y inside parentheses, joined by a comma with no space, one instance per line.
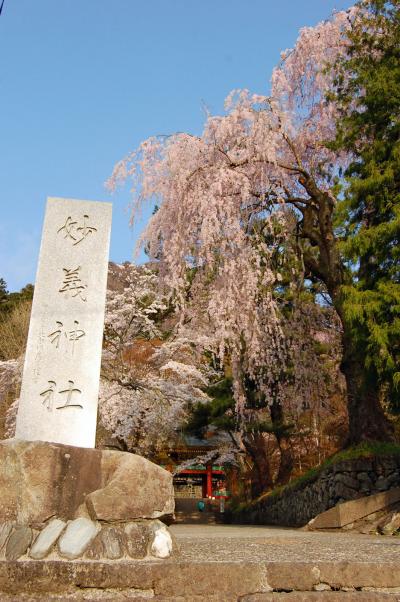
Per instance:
(196,518)
(117,596)
(187,512)
(189,581)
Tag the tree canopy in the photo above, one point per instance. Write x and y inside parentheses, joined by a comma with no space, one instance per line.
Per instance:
(9,300)
(268,175)
(368,97)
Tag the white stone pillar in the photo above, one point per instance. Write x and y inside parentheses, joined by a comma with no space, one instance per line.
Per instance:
(60,382)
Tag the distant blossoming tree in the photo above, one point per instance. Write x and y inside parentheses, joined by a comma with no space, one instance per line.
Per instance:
(227,202)
(148,384)
(133,312)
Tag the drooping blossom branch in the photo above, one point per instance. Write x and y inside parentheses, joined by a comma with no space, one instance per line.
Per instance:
(224,195)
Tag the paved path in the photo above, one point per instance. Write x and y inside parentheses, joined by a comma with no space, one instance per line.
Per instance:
(273,544)
(223,564)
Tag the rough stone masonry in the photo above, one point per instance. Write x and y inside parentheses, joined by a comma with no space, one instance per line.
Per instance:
(62,499)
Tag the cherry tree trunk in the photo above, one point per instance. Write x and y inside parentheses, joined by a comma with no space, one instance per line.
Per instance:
(260,475)
(286,455)
(367,420)
(286,463)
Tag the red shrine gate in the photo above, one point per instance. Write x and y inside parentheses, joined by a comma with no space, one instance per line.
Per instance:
(196,481)
(201,481)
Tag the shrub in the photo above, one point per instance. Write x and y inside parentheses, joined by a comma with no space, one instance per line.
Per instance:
(14,327)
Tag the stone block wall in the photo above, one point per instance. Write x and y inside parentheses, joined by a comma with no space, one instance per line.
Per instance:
(348,480)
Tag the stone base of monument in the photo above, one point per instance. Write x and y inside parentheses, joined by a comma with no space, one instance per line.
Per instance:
(60,502)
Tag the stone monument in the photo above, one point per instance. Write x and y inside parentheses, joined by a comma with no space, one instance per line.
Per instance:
(60,382)
(60,498)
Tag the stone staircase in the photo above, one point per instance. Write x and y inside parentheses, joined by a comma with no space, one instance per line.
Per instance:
(187,512)
(221,563)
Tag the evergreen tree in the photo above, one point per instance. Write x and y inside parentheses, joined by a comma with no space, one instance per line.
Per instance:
(8,301)
(368,92)
(3,290)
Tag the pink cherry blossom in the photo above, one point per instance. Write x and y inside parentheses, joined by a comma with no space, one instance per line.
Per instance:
(222,196)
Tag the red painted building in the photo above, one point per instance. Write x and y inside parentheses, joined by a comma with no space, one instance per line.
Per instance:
(201,481)
(198,480)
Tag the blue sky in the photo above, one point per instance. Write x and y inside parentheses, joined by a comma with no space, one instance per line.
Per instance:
(83,82)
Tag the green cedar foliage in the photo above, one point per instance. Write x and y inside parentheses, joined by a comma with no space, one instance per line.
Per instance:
(368,217)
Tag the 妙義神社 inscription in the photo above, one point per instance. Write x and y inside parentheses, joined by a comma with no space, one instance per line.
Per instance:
(60,382)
